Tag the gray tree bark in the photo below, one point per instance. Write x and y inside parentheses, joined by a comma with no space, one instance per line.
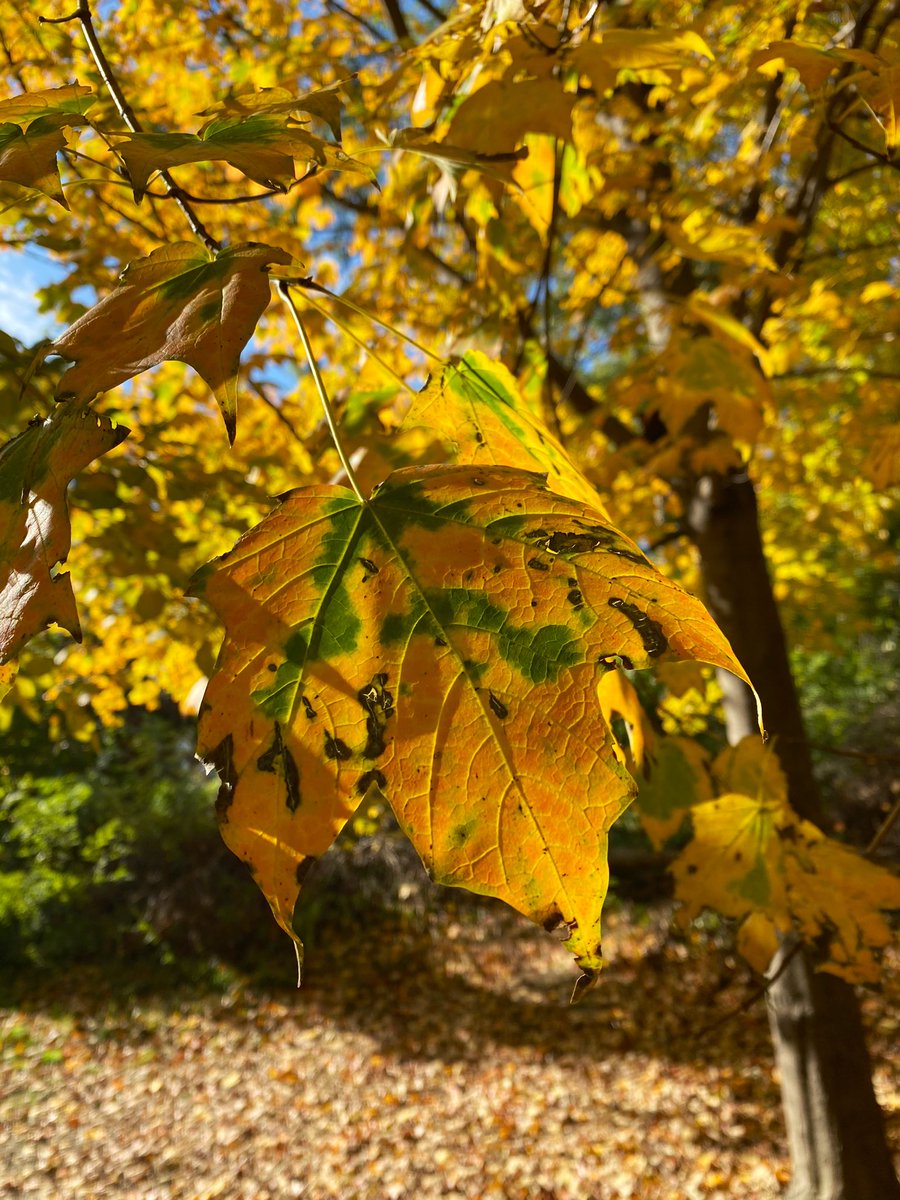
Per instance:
(835,1128)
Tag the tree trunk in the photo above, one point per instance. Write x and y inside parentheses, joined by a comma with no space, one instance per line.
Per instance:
(835,1128)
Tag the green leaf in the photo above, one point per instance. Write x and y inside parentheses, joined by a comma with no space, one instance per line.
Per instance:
(35,470)
(179,304)
(439,645)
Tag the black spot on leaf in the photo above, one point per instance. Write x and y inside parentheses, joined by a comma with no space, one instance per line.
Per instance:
(368,779)
(278,760)
(304,868)
(308,708)
(335,748)
(537,565)
(650,631)
(222,758)
(378,705)
(498,706)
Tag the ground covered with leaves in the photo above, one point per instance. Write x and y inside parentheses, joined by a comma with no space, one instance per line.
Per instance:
(440,1059)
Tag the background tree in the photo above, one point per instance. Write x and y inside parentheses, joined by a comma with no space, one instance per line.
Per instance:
(687,275)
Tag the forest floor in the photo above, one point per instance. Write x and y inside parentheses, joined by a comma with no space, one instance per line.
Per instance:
(438,1059)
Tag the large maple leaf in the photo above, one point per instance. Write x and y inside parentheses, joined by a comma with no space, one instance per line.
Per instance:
(35,535)
(440,644)
(178,303)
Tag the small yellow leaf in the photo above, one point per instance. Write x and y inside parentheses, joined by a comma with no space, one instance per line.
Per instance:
(617,695)
(496,117)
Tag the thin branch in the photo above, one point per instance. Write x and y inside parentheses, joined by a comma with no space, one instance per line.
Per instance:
(851,174)
(818,372)
(885,828)
(85,18)
(261,391)
(870,756)
(844,251)
(285,291)
(398,21)
(434,10)
(861,146)
(373,30)
(757,994)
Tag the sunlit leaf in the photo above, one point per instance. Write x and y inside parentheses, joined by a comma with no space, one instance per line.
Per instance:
(475,406)
(28,157)
(262,146)
(73,99)
(616,50)
(752,856)
(35,536)
(440,645)
(177,303)
(324,103)
(496,118)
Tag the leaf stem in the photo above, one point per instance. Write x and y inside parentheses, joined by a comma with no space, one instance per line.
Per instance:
(311,285)
(330,418)
(354,337)
(85,18)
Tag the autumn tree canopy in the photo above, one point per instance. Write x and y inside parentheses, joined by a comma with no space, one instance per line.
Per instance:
(557,273)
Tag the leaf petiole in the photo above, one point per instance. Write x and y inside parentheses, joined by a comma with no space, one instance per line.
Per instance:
(331,420)
(354,337)
(310,285)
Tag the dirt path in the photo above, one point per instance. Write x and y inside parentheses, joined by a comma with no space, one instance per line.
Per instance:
(444,1063)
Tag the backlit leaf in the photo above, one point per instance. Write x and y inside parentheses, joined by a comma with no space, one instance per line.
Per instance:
(496,118)
(754,859)
(28,157)
(439,645)
(618,698)
(615,50)
(262,146)
(177,303)
(35,536)
(324,103)
(457,158)
(675,779)
(475,406)
(73,100)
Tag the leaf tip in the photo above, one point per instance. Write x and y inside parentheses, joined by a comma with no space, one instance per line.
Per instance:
(583,984)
